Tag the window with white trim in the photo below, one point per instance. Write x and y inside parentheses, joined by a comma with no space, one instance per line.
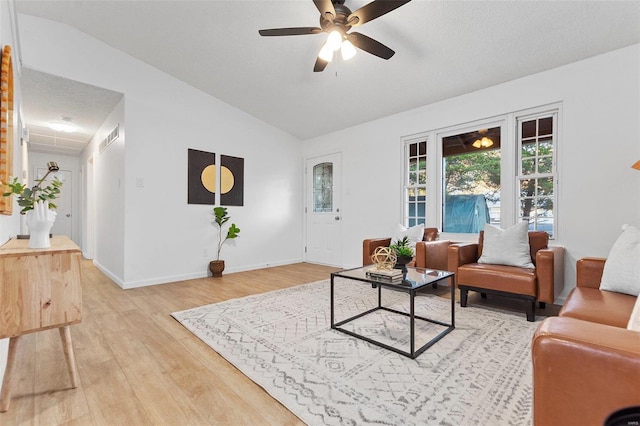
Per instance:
(415,186)
(471,180)
(537,171)
(500,170)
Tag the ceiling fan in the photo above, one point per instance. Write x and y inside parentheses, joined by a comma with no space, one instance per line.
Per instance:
(336,19)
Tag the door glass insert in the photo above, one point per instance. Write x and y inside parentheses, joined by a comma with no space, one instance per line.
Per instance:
(323,188)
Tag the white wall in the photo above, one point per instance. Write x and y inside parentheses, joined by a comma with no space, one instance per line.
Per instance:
(149,234)
(600,139)
(107,196)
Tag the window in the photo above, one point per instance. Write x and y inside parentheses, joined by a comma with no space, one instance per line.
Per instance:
(323,187)
(471,188)
(500,170)
(536,176)
(415,182)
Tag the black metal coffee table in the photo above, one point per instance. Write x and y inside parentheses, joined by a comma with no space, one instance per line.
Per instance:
(414,280)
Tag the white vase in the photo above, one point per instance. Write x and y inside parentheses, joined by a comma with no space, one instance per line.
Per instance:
(39,221)
(39,239)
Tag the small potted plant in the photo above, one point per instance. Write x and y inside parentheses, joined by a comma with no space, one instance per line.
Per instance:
(37,204)
(27,197)
(221,217)
(404,253)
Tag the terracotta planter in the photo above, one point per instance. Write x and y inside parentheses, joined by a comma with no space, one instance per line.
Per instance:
(216,267)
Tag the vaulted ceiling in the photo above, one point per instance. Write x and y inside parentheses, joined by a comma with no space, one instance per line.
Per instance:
(443,49)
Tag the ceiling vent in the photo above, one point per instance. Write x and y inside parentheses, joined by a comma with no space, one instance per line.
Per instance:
(110,138)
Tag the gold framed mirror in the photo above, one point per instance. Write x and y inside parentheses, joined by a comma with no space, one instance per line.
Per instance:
(6,126)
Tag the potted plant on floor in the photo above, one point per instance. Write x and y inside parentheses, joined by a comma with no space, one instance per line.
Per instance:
(404,253)
(221,217)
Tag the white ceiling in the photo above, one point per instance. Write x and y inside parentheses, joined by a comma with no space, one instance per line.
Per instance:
(443,49)
(47,98)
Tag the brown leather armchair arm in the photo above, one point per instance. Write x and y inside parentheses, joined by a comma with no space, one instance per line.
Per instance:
(547,260)
(461,254)
(368,246)
(432,254)
(583,371)
(589,271)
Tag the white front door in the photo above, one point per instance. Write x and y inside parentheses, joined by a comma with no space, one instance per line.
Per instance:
(64,219)
(322,208)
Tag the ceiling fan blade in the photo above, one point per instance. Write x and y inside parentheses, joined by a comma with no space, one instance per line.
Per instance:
(370,45)
(374,10)
(290,31)
(320,65)
(326,9)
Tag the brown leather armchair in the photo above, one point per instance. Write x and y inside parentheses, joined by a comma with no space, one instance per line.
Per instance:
(586,364)
(531,285)
(369,245)
(432,254)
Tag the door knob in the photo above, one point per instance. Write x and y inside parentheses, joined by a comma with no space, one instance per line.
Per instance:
(337,217)
(68,214)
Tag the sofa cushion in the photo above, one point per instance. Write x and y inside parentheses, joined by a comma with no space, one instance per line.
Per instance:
(604,307)
(634,320)
(414,234)
(506,246)
(510,279)
(622,268)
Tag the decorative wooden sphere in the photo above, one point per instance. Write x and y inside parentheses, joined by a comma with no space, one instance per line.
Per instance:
(384,258)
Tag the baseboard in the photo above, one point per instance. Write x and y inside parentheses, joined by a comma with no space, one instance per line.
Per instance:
(163,280)
(113,277)
(203,274)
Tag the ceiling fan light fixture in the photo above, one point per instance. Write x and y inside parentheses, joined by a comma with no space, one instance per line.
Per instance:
(347,50)
(326,53)
(334,41)
(485,142)
(336,20)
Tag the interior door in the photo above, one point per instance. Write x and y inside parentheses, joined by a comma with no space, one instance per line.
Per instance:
(322,211)
(64,219)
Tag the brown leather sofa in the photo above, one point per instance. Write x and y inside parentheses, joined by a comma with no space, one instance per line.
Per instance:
(586,364)
(369,245)
(531,285)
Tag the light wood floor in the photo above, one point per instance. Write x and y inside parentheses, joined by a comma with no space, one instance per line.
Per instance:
(138,366)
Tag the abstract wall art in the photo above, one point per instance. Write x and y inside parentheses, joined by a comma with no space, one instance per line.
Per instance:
(204,175)
(201,185)
(231,181)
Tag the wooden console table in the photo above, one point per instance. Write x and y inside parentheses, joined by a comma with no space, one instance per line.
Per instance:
(40,289)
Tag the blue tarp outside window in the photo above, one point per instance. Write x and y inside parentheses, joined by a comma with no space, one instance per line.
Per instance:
(465,214)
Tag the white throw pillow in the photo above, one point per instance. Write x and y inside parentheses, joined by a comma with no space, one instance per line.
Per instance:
(414,234)
(634,320)
(507,246)
(622,268)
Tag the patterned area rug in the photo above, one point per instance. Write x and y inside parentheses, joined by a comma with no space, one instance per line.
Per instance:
(479,374)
